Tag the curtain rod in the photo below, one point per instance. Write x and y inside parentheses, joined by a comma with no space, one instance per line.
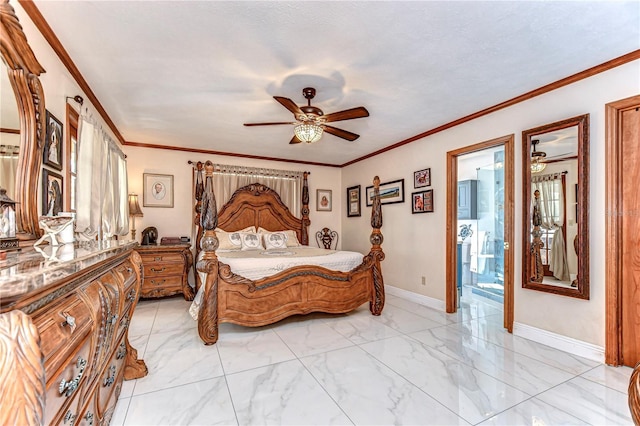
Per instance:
(193,163)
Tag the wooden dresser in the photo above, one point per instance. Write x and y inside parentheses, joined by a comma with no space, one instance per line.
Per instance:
(165,270)
(64,320)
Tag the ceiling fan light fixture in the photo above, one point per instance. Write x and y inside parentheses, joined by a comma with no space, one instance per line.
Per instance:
(537,167)
(308,132)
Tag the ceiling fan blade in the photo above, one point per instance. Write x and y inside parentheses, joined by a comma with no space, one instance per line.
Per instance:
(290,105)
(295,139)
(347,114)
(340,133)
(269,124)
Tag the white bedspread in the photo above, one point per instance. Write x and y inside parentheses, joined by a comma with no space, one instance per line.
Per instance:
(256,264)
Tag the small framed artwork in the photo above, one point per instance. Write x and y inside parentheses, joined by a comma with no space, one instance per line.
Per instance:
(51,193)
(390,192)
(422,202)
(422,178)
(157,191)
(353,201)
(323,200)
(52,153)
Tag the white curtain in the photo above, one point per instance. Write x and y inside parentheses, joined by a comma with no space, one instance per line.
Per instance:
(8,169)
(101,195)
(552,215)
(288,184)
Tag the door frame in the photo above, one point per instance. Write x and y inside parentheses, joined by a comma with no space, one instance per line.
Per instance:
(509,215)
(613,228)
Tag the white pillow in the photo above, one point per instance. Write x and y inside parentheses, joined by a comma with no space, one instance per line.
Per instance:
(231,240)
(251,241)
(274,240)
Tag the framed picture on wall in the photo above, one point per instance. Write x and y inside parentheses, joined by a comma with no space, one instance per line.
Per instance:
(157,191)
(353,201)
(51,193)
(422,178)
(422,202)
(323,200)
(390,192)
(52,152)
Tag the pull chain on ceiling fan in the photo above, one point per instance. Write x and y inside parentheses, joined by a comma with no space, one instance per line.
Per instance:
(311,122)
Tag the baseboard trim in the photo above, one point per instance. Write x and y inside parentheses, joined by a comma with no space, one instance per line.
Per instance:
(415,297)
(558,341)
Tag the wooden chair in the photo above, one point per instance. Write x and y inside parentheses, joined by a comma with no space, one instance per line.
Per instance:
(327,238)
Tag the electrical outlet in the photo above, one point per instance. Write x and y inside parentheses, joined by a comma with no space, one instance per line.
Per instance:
(424,280)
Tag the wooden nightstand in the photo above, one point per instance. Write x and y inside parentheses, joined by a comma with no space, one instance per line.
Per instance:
(165,270)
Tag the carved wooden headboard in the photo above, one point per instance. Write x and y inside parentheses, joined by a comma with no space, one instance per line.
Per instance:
(260,206)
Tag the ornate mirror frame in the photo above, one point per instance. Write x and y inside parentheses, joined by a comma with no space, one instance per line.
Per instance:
(24,71)
(581,243)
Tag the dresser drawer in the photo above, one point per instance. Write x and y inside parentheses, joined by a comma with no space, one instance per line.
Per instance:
(162,258)
(60,328)
(128,273)
(164,269)
(64,390)
(161,286)
(111,379)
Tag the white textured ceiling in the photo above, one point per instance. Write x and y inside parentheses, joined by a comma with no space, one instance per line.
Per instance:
(190,73)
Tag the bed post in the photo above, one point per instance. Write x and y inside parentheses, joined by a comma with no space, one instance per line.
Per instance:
(199,190)
(376,238)
(305,210)
(208,315)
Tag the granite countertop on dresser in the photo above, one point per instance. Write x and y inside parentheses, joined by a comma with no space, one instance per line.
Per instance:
(35,268)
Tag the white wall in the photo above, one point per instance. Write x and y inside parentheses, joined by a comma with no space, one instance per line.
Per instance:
(415,244)
(176,221)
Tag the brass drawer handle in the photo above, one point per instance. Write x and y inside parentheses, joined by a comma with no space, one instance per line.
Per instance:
(131,295)
(157,258)
(68,387)
(129,269)
(89,418)
(158,270)
(159,282)
(69,417)
(108,381)
(122,351)
(68,321)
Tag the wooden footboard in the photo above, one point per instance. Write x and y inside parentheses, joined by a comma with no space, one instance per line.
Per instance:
(300,290)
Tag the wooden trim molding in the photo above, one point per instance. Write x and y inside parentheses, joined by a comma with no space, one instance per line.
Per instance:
(42,25)
(12,131)
(590,72)
(613,227)
(509,219)
(229,154)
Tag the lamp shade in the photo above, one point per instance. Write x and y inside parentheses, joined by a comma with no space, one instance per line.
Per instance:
(134,207)
(308,132)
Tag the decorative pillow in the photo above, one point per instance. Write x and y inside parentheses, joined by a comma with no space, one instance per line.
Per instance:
(292,238)
(231,240)
(274,240)
(250,241)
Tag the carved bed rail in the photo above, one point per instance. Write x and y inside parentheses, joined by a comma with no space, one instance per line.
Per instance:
(228,297)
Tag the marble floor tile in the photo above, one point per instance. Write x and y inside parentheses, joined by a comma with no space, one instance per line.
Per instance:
(468,392)
(312,338)
(371,393)
(282,394)
(526,374)
(589,401)
(204,402)
(612,377)
(251,348)
(533,412)
(177,358)
(413,365)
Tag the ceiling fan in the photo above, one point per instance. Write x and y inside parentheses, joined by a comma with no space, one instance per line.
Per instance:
(539,159)
(311,121)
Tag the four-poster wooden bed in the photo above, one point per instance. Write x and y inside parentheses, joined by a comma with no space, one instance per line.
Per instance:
(228,297)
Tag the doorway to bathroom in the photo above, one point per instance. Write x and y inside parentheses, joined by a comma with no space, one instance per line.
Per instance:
(480,215)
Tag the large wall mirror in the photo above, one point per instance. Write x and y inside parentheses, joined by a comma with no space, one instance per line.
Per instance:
(555,182)
(24,96)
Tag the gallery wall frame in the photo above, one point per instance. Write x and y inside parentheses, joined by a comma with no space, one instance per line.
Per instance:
(422,201)
(52,152)
(323,200)
(158,190)
(52,193)
(353,201)
(390,192)
(422,178)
